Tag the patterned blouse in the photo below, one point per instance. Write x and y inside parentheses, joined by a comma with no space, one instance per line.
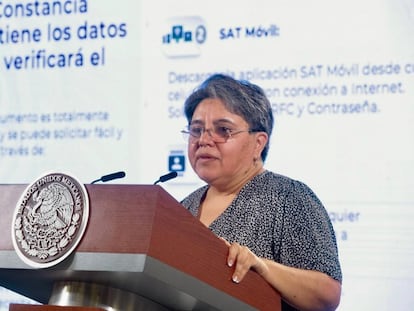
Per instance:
(278,218)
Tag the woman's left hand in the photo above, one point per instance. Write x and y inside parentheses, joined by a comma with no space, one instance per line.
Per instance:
(243,259)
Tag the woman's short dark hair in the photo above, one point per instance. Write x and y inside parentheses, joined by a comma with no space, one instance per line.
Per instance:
(239,97)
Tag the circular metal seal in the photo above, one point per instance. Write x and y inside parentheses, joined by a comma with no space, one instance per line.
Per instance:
(50,219)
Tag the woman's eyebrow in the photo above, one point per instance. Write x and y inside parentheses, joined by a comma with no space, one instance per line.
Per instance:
(215,122)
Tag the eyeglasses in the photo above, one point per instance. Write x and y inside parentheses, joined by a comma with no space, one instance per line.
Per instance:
(219,134)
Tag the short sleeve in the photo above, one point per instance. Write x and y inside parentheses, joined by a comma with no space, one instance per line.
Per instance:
(308,238)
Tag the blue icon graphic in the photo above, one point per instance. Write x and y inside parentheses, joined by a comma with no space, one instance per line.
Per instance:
(184,36)
(176,162)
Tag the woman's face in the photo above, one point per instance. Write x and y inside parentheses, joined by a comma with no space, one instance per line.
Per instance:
(223,163)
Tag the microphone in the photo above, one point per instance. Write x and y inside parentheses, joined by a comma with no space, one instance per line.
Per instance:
(109,177)
(166,177)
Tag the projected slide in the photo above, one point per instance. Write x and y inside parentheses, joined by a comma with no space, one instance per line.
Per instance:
(70,87)
(91,88)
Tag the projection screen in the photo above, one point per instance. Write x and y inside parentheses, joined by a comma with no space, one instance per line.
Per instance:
(93,87)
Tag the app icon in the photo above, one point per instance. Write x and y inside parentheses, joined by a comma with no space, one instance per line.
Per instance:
(184,36)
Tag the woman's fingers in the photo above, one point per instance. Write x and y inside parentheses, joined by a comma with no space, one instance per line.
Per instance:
(242,258)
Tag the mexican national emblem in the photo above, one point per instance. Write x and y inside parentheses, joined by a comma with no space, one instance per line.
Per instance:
(50,219)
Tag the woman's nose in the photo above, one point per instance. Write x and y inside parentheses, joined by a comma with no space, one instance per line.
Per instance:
(205,138)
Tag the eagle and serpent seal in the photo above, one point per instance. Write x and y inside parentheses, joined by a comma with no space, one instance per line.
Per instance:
(50,219)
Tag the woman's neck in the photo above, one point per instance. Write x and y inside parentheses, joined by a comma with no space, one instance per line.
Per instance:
(233,187)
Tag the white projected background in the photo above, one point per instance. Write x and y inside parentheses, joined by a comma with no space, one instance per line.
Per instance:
(100,89)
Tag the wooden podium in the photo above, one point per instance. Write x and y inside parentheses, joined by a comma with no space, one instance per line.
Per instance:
(138,240)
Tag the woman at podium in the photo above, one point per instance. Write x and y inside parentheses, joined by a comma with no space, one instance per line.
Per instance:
(271,223)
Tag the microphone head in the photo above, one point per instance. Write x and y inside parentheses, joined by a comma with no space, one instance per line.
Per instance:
(166,177)
(113,176)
